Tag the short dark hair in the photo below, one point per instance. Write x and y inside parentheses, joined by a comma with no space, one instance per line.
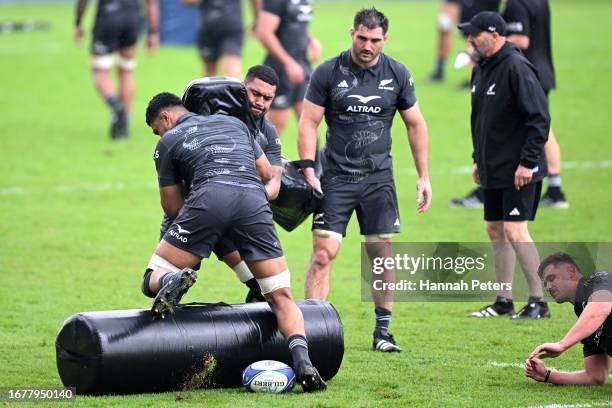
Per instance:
(372,19)
(159,102)
(263,72)
(556,259)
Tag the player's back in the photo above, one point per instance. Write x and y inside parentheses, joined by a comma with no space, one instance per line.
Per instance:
(208,148)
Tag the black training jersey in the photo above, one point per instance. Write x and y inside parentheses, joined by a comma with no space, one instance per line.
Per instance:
(532,18)
(292,32)
(601,340)
(268,140)
(207,148)
(359,108)
(510,120)
(117,8)
(226,12)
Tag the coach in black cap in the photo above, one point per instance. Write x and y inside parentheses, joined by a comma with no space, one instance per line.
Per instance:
(510,124)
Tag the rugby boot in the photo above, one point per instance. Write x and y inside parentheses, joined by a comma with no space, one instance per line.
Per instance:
(308,377)
(172,292)
(533,310)
(384,341)
(474,199)
(554,198)
(495,310)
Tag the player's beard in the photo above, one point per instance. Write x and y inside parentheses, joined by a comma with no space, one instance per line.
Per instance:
(365,59)
(479,51)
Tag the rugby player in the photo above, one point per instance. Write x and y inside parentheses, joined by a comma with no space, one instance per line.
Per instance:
(260,83)
(221,35)
(115,31)
(359,92)
(592,300)
(282,28)
(227,197)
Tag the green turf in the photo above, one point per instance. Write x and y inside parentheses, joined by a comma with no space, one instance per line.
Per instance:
(80,214)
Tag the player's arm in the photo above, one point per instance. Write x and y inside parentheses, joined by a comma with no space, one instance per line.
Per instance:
(153,18)
(594,314)
(312,114)
(418,137)
(171,199)
(81,5)
(267,23)
(273,185)
(255,8)
(264,170)
(596,369)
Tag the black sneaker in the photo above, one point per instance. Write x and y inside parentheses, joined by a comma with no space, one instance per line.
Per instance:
(495,310)
(554,198)
(308,377)
(384,341)
(475,199)
(119,125)
(172,292)
(534,310)
(436,76)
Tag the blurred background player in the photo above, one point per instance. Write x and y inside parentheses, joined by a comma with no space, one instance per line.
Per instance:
(592,300)
(359,92)
(116,29)
(221,35)
(451,12)
(282,28)
(529,28)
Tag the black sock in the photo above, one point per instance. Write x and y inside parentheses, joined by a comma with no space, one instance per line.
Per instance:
(253,285)
(298,347)
(534,299)
(383,318)
(114,103)
(440,65)
(501,299)
(166,278)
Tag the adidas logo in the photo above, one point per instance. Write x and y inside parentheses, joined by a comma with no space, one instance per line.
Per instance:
(397,223)
(515,211)
(343,84)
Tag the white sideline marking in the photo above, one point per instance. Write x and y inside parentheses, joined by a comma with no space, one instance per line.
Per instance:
(63,188)
(604,164)
(75,188)
(578,405)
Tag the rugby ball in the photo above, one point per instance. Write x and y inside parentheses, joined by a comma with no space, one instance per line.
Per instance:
(268,376)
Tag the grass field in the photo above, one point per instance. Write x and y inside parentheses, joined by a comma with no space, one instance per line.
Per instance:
(80,214)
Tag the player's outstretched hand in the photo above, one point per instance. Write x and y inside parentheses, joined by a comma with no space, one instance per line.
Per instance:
(423,194)
(535,368)
(547,350)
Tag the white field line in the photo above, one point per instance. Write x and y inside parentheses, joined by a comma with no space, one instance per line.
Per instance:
(604,164)
(577,405)
(75,188)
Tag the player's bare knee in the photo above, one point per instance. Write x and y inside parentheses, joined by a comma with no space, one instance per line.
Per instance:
(445,22)
(495,231)
(514,232)
(278,297)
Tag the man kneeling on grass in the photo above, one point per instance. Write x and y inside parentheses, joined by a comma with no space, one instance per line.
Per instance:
(592,299)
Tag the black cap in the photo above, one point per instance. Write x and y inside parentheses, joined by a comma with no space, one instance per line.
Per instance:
(488,21)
